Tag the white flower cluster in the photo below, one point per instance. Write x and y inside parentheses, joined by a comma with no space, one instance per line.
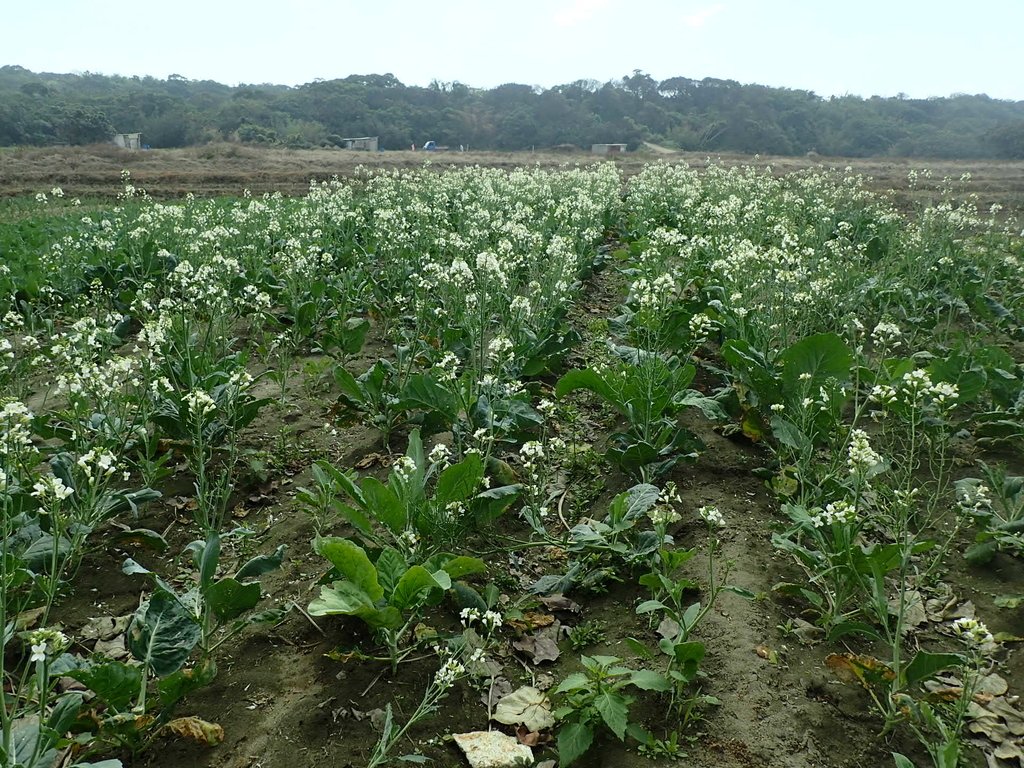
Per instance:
(489,620)
(712,516)
(440,454)
(498,348)
(199,403)
(700,326)
(15,434)
(917,389)
(836,512)
(404,468)
(51,487)
(861,457)
(887,335)
(47,643)
(652,294)
(448,366)
(973,633)
(451,670)
(665,511)
(97,464)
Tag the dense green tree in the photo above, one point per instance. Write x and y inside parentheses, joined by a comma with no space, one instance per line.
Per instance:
(710,114)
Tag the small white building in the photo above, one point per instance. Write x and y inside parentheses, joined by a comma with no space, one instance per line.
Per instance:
(608,149)
(128,140)
(362,144)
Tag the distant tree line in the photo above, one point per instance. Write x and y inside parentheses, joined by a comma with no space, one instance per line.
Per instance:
(699,115)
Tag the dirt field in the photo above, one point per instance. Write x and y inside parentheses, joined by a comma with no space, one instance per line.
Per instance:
(229,169)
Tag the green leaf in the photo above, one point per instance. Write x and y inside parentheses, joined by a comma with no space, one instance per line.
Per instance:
(924,665)
(574,739)
(467,597)
(1009,601)
(824,356)
(229,598)
(789,435)
(343,481)
(460,566)
(572,682)
(649,680)
(114,682)
(64,713)
(350,561)
(649,606)
(488,505)
(162,634)
(262,564)
(344,598)
(349,386)
(901,761)
(209,558)
(390,567)
(586,378)
(614,711)
(173,687)
(384,504)
(414,582)
(355,517)
(710,407)
(422,391)
(460,481)
(982,553)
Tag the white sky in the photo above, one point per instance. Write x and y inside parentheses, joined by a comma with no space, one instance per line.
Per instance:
(864,47)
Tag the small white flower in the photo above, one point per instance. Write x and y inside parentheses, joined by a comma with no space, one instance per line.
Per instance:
(712,516)
(439,454)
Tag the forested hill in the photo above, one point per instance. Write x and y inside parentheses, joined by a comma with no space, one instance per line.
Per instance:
(702,115)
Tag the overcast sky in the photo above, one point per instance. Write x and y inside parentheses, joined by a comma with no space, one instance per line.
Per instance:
(865,47)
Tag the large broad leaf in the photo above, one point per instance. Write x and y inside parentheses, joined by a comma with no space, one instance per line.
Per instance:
(488,505)
(422,391)
(463,565)
(755,371)
(383,504)
(349,386)
(262,564)
(649,680)
(390,568)
(709,406)
(586,378)
(574,739)
(460,481)
(30,747)
(634,502)
(64,713)
(343,598)
(526,705)
(787,433)
(349,559)
(924,665)
(114,682)
(414,585)
(823,356)
(614,711)
(173,687)
(162,634)
(229,598)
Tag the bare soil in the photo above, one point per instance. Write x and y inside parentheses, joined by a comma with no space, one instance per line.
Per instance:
(229,169)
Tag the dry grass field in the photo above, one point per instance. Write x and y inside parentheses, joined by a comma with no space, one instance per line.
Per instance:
(229,169)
